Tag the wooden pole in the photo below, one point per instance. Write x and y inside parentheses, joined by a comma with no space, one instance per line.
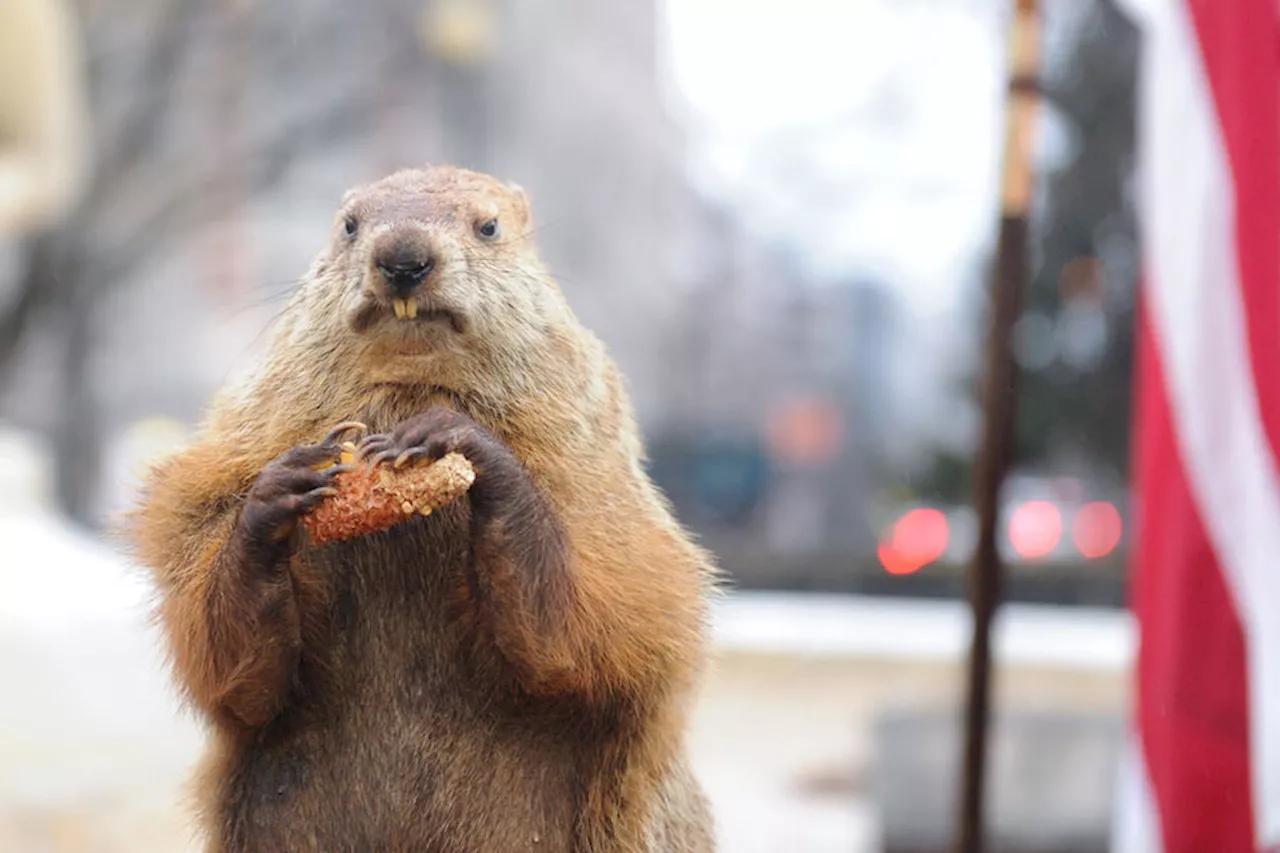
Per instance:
(999,407)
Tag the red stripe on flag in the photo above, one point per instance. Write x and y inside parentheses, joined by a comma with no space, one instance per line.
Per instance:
(1238,46)
(1192,702)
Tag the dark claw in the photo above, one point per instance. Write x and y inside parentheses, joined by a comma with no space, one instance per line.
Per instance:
(375,450)
(373,444)
(309,456)
(316,496)
(383,456)
(372,438)
(413,454)
(346,426)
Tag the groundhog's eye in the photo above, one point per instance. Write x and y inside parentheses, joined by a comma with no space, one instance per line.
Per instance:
(352,225)
(488,230)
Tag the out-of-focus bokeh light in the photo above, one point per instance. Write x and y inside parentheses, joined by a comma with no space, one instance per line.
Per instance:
(1035,529)
(918,538)
(806,431)
(1096,529)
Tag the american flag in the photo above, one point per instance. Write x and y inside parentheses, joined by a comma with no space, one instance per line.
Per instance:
(1203,770)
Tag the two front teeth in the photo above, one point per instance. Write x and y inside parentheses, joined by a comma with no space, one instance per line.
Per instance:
(406,309)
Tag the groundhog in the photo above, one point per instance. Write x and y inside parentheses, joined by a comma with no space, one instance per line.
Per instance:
(513,672)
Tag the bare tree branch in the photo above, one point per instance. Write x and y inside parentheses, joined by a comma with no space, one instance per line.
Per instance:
(40,285)
(18,315)
(118,162)
(264,165)
(146,193)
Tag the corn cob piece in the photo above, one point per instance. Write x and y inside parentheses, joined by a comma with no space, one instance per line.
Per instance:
(372,498)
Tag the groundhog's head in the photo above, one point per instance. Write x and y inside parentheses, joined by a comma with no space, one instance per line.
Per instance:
(431,277)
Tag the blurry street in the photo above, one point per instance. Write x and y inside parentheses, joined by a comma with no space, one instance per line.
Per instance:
(94,755)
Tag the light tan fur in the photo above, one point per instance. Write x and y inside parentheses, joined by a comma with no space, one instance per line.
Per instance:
(591,691)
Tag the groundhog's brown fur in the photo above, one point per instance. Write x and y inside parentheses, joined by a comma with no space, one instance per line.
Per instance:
(513,672)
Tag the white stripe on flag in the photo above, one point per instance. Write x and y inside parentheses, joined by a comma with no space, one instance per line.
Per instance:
(1136,828)
(1194,297)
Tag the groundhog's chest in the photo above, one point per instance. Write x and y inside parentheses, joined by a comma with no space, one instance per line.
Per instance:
(402,736)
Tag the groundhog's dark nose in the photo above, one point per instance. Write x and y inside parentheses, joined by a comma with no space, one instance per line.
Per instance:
(405,270)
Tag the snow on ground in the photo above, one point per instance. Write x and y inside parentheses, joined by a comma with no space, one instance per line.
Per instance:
(917,630)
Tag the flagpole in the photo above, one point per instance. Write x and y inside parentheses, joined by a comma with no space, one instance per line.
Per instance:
(999,407)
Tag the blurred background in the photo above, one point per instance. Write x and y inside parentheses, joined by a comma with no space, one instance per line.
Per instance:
(779,216)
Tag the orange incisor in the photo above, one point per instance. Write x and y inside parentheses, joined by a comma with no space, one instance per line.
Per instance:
(373,498)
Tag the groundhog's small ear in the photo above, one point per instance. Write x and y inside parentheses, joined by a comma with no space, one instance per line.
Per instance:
(520,201)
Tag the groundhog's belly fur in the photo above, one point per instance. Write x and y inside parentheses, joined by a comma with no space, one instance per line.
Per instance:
(408,752)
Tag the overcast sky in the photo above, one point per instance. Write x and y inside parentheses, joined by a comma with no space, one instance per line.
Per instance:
(865,130)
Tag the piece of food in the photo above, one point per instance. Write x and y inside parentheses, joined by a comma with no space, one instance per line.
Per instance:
(373,498)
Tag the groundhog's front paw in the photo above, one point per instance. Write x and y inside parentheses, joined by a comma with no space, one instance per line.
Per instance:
(439,431)
(290,485)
